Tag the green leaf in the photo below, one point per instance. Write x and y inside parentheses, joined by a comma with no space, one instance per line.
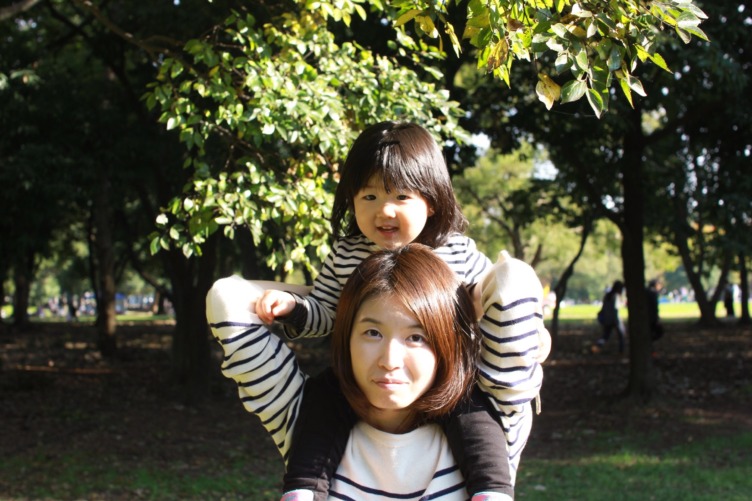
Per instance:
(154,245)
(635,84)
(596,102)
(614,59)
(626,90)
(572,91)
(659,61)
(560,30)
(581,59)
(407,16)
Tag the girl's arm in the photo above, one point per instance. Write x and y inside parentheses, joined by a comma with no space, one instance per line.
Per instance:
(313,316)
(270,384)
(515,343)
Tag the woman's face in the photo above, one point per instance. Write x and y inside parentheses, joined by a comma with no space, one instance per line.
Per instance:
(391,360)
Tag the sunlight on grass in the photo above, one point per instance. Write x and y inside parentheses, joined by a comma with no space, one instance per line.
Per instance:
(717,468)
(667,311)
(76,476)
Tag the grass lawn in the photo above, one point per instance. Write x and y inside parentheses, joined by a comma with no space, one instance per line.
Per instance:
(623,467)
(668,312)
(77,427)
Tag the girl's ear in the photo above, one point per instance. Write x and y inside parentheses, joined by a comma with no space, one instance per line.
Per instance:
(431,212)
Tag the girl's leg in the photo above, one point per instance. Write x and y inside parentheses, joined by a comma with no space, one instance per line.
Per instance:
(479,446)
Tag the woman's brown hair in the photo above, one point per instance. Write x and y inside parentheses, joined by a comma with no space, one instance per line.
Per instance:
(430,290)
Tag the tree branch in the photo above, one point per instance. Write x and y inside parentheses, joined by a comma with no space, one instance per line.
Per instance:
(16,8)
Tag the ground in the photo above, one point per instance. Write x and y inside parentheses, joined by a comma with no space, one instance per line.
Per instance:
(58,395)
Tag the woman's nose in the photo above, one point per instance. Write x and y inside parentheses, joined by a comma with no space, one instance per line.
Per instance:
(392,356)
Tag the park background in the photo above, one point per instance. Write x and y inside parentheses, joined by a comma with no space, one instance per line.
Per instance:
(150,149)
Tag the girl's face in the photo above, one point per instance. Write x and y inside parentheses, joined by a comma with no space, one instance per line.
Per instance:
(390,219)
(392,361)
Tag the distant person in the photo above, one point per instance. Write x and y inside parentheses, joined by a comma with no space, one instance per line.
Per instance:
(656,328)
(608,317)
(728,300)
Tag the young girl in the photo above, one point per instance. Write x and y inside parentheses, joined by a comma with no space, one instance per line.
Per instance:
(394,189)
(405,348)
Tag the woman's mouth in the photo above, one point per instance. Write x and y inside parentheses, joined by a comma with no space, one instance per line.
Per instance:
(389,383)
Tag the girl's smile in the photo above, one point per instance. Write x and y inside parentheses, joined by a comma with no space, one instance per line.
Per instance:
(390,219)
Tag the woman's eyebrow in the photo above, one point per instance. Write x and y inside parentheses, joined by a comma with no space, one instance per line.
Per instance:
(370,320)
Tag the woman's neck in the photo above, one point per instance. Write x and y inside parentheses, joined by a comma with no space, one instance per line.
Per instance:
(392,421)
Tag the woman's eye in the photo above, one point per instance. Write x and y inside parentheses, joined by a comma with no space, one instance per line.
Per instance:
(417,339)
(371,333)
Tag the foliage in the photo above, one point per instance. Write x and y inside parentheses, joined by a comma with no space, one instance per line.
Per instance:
(268,111)
(591,43)
(504,201)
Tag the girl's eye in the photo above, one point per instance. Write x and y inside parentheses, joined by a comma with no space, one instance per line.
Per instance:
(369,197)
(403,196)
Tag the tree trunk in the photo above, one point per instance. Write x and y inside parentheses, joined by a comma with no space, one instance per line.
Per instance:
(253,266)
(640,385)
(681,241)
(106,289)
(561,286)
(22,273)
(191,280)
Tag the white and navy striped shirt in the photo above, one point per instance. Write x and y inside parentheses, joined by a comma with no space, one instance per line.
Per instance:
(460,253)
(378,465)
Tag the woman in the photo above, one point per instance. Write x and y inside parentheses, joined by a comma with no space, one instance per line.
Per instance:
(404,348)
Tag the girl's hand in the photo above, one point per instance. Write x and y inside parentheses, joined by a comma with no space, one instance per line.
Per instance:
(273,304)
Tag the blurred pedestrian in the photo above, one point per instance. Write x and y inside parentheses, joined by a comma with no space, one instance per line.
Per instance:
(652,292)
(608,317)
(728,300)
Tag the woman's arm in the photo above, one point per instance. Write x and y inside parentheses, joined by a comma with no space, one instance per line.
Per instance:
(270,384)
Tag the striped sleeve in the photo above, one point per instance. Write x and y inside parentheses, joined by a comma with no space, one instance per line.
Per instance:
(464,258)
(270,383)
(321,303)
(513,337)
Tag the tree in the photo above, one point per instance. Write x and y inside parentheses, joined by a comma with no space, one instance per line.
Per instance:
(295,71)
(706,148)
(111,161)
(587,44)
(500,194)
(268,102)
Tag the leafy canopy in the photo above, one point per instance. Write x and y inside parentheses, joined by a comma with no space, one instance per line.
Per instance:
(585,44)
(268,111)
(269,103)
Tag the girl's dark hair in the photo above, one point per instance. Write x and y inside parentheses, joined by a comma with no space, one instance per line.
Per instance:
(431,291)
(406,157)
